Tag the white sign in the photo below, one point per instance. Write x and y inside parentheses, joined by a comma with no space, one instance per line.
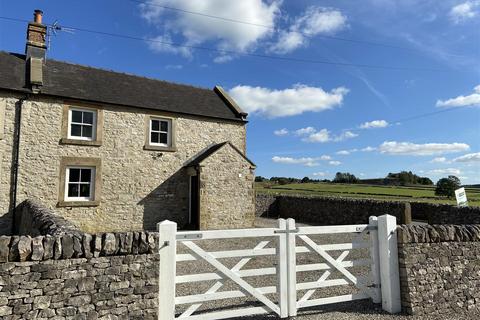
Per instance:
(461,197)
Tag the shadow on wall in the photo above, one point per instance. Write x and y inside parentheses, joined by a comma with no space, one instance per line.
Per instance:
(168,201)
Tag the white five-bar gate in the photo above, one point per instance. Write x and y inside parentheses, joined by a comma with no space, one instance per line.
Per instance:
(382,284)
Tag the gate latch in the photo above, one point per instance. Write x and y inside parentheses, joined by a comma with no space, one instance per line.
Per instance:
(189,236)
(286,231)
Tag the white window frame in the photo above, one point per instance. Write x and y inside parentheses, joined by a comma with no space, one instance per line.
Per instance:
(168,132)
(94,124)
(91,196)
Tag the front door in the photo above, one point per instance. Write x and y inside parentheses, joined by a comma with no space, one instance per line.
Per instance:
(193,216)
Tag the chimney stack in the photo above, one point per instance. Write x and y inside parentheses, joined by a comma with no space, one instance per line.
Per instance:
(37,16)
(35,51)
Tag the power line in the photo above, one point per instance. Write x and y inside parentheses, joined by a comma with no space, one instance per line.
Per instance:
(222,51)
(372,43)
(428,114)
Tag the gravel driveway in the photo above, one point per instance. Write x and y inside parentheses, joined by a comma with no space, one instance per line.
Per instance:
(360,309)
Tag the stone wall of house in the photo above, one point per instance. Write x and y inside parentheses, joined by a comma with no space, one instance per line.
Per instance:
(439,269)
(7,119)
(226,190)
(139,187)
(330,210)
(102,276)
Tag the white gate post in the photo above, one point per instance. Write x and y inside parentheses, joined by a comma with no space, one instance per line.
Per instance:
(389,274)
(282,268)
(168,251)
(292,268)
(375,273)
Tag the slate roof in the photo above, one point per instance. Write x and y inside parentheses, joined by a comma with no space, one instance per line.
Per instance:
(66,80)
(211,150)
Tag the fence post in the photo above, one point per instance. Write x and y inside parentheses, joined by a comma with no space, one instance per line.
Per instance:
(282,268)
(168,251)
(389,274)
(291,268)
(375,273)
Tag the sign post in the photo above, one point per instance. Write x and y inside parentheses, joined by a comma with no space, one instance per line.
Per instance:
(461,197)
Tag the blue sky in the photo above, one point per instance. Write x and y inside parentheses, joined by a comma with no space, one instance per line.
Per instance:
(306,119)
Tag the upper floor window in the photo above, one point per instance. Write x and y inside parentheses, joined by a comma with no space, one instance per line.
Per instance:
(160,132)
(82,124)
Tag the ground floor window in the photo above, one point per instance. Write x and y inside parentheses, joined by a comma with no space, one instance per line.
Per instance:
(80,183)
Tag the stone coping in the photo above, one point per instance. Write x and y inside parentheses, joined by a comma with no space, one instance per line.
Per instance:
(45,220)
(438,233)
(84,245)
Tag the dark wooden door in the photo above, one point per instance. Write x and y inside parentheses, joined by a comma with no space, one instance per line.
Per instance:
(194,215)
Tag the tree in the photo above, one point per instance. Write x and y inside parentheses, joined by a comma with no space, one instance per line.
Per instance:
(259,179)
(345,177)
(305,180)
(447,186)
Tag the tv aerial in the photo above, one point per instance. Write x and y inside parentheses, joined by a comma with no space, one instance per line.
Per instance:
(54,29)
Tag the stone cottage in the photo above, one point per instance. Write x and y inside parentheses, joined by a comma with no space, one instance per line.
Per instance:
(110,151)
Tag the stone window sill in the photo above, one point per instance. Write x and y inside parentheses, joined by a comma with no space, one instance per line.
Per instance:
(159,148)
(95,143)
(78,204)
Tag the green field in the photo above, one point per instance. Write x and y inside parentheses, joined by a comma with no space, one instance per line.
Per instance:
(397,193)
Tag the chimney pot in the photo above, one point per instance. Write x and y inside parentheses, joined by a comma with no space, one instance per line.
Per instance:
(37,16)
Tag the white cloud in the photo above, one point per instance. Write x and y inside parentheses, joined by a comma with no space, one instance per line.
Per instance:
(160,44)
(343,152)
(197,29)
(464,11)
(223,58)
(462,101)
(427,149)
(304,161)
(368,149)
(314,21)
(374,124)
(345,136)
(173,67)
(439,160)
(319,174)
(287,102)
(310,134)
(471,157)
(446,171)
(305,131)
(334,163)
(281,132)
(321,136)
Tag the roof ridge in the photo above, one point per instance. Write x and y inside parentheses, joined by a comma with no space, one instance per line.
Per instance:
(112,71)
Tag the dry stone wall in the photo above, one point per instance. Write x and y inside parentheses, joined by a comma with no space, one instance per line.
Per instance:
(328,211)
(68,276)
(32,218)
(439,269)
(445,214)
(331,210)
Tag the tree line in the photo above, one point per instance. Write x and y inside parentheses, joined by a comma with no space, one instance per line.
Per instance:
(444,187)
